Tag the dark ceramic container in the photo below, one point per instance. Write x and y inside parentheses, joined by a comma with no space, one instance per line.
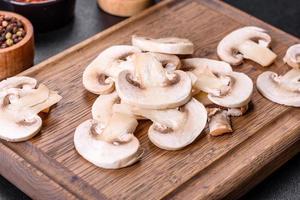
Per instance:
(45,16)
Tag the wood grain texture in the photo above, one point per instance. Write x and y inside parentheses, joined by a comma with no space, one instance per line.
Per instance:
(211,168)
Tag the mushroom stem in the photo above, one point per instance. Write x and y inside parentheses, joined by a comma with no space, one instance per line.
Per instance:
(258,53)
(219,124)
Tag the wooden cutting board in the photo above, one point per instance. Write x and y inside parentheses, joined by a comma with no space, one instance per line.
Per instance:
(48,167)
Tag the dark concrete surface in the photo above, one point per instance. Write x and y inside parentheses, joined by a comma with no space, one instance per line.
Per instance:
(284,14)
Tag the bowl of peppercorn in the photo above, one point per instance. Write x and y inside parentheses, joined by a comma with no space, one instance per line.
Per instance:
(16,44)
(45,15)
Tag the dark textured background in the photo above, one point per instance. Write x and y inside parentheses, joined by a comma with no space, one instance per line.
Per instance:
(284,14)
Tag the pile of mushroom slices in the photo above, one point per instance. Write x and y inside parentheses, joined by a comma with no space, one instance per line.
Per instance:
(21,100)
(149,81)
(284,89)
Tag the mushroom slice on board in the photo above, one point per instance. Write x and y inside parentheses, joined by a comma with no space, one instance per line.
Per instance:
(174,136)
(246,43)
(170,45)
(198,65)
(22,83)
(239,92)
(292,56)
(172,129)
(203,73)
(283,90)
(98,77)
(111,147)
(151,86)
(19,120)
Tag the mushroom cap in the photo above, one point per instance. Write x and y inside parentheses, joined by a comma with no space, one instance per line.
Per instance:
(171,45)
(275,92)
(154,97)
(202,64)
(230,49)
(97,76)
(240,92)
(196,118)
(292,56)
(103,154)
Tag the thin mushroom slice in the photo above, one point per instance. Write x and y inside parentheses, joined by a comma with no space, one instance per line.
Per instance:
(168,137)
(22,83)
(246,43)
(239,94)
(99,75)
(292,56)
(199,65)
(171,45)
(19,121)
(151,86)
(283,90)
(110,148)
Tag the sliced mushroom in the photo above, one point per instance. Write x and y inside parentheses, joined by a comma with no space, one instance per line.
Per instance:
(18,113)
(292,56)
(283,90)
(102,107)
(200,65)
(111,147)
(99,75)
(171,45)
(239,93)
(169,62)
(249,43)
(151,86)
(22,83)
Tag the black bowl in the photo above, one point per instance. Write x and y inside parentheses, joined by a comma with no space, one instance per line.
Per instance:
(46,15)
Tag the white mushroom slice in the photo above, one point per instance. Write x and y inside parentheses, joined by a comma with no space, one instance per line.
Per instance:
(203,98)
(102,107)
(19,121)
(23,83)
(292,56)
(173,136)
(249,43)
(241,88)
(237,112)
(111,148)
(169,62)
(151,86)
(99,74)
(283,90)
(200,65)
(171,45)
(219,123)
